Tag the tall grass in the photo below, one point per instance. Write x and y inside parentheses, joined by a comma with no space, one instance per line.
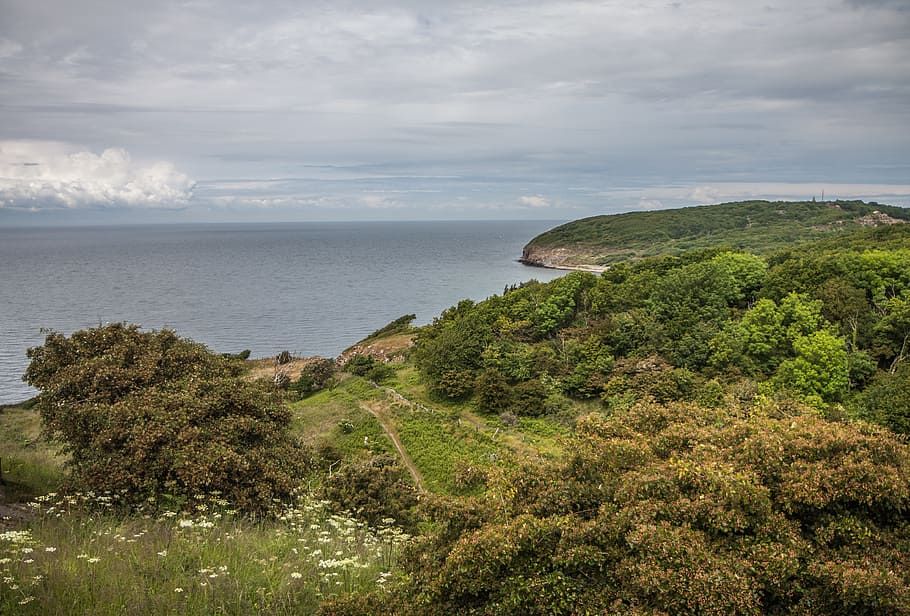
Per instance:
(31,465)
(76,560)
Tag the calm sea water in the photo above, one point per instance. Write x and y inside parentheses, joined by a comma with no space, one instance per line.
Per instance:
(310,288)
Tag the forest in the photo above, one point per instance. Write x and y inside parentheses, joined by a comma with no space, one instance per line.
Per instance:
(710,432)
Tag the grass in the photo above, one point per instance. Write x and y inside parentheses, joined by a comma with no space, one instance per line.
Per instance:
(77,555)
(438,444)
(30,465)
(334,417)
(455,436)
(72,560)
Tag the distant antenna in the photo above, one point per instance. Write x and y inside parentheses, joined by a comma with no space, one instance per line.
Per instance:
(823,194)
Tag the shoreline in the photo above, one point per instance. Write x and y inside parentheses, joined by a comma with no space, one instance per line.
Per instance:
(594,269)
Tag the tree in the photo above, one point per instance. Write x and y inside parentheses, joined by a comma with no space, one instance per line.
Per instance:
(315,375)
(149,413)
(820,371)
(887,399)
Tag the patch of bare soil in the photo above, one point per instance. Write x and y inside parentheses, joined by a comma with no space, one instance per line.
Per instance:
(268,367)
(386,349)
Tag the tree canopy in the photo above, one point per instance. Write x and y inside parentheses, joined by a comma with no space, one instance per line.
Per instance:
(147,414)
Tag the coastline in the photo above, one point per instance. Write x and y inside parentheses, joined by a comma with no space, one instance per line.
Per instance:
(594,269)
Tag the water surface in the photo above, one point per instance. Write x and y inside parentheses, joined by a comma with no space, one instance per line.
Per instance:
(310,288)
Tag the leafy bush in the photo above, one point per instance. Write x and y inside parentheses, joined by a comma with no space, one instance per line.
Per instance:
(367,367)
(398,326)
(887,400)
(148,413)
(316,375)
(679,510)
(373,490)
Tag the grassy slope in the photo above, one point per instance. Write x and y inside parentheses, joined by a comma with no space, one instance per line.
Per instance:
(31,466)
(757,226)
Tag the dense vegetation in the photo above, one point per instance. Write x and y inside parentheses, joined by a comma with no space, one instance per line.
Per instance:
(826,324)
(759,227)
(148,414)
(711,432)
(729,470)
(675,510)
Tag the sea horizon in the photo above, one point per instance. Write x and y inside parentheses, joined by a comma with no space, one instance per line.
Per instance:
(312,288)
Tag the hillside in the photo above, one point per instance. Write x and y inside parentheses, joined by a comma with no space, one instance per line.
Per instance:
(717,432)
(759,227)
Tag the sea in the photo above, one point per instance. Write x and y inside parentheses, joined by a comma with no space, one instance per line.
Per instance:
(308,288)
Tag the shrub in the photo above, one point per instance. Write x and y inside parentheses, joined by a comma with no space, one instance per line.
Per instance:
(493,392)
(367,367)
(373,490)
(149,413)
(316,375)
(360,365)
(678,510)
(398,326)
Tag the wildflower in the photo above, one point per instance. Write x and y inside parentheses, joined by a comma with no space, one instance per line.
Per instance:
(93,560)
(50,549)
(82,556)
(178,590)
(28,561)
(185,523)
(296,575)
(26,600)
(162,553)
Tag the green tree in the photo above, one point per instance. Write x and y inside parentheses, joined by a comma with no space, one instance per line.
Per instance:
(693,301)
(887,399)
(148,413)
(315,375)
(891,334)
(820,371)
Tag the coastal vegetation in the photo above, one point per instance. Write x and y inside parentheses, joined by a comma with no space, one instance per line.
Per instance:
(758,227)
(717,430)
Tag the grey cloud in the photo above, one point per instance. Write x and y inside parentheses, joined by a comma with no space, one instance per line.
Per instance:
(524,91)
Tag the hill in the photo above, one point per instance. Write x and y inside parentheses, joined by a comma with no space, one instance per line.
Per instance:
(716,432)
(759,227)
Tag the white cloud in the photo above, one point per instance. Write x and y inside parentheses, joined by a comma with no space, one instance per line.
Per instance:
(374,201)
(49,175)
(534,201)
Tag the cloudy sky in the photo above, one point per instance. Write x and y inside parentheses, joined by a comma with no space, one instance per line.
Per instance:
(445,109)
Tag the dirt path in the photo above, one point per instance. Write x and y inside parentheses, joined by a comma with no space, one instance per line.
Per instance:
(378,411)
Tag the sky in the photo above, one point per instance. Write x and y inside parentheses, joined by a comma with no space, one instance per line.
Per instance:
(293,110)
